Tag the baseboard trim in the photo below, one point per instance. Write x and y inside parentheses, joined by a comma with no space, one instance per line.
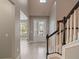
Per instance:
(18,57)
(37,41)
(5,58)
(72,44)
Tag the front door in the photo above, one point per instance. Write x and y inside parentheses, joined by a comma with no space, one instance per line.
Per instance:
(40,29)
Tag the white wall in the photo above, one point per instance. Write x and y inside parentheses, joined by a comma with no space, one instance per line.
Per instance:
(52,25)
(9,30)
(7,24)
(64,7)
(52,19)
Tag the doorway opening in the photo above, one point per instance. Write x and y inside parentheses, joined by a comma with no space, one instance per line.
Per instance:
(39,29)
(24,33)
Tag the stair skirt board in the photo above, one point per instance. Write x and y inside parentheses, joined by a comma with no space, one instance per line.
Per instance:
(54,55)
(69,46)
(72,44)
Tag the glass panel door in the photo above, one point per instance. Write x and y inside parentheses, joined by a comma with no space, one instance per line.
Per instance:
(40,30)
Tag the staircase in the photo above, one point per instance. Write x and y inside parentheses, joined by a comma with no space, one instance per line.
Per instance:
(66,33)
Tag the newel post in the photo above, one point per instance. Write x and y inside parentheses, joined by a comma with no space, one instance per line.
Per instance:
(47,37)
(64,33)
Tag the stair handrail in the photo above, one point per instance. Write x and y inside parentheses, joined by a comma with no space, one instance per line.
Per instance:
(47,37)
(65,19)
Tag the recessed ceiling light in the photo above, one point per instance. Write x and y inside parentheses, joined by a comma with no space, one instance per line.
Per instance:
(55,3)
(43,1)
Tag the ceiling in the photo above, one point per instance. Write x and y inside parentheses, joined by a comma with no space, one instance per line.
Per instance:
(39,9)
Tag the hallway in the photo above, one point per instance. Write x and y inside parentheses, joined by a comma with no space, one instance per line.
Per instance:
(39,29)
(32,50)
